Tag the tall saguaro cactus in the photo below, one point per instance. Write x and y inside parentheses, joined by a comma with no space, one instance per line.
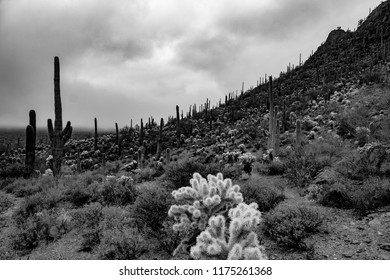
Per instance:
(159,140)
(95,146)
(271,130)
(58,136)
(298,135)
(33,123)
(178,126)
(30,151)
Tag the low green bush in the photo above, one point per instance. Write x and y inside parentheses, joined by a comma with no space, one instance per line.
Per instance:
(6,202)
(291,225)
(338,196)
(263,191)
(372,194)
(151,207)
(303,167)
(126,244)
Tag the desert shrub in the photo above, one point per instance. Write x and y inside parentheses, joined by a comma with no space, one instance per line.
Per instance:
(79,197)
(338,196)
(262,191)
(303,167)
(147,173)
(231,171)
(169,239)
(95,221)
(151,207)
(327,148)
(118,193)
(116,217)
(12,171)
(6,202)
(87,217)
(345,129)
(46,226)
(372,194)
(290,225)
(119,244)
(89,177)
(5,182)
(179,172)
(80,192)
(90,239)
(276,167)
(27,187)
(368,161)
(36,203)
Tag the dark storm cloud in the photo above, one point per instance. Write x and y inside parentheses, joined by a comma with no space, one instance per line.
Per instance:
(207,52)
(280,20)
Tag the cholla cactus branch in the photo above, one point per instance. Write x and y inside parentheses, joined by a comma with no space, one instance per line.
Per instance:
(241,242)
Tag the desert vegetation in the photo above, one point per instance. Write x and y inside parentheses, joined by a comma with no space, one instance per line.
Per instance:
(297,167)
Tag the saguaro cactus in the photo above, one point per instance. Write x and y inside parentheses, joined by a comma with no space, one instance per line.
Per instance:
(141,134)
(284,116)
(271,115)
(30,151)
(159,140)
(33,123)
(298,135)
(177,126)
(95,147)
(58,136)
(168,155)
(118,140)
(78,160)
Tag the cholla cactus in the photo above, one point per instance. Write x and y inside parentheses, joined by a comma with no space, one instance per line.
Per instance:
(247,159)
(202,200)
(241,243)
(231,157)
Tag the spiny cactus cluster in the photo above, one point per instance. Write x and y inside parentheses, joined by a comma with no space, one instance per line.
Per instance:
(241,242)
(200,201)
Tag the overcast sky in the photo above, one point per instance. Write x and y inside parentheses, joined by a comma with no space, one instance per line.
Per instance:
(131,59)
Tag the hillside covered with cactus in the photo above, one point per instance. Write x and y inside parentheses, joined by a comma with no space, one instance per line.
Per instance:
(297,167)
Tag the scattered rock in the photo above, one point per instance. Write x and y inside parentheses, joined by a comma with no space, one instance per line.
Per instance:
(348,255)
(360,250)
(375,223)
(385,246)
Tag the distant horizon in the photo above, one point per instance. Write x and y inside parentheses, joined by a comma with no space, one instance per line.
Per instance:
(82,129)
